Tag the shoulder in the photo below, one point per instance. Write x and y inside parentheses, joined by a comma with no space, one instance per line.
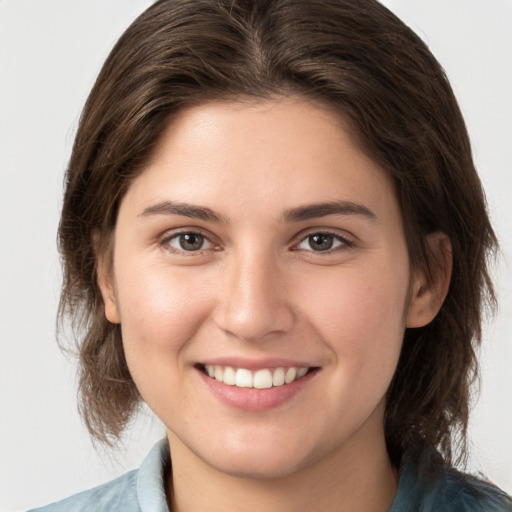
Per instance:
(467,493)
(119,494)
(141,490)
(428,485)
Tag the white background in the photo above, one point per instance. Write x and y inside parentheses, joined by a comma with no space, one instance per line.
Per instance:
(50,53)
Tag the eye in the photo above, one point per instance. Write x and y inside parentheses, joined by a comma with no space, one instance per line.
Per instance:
(321,242)
(189,242)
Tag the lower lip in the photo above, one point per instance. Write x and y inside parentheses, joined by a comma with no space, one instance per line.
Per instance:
(252,399)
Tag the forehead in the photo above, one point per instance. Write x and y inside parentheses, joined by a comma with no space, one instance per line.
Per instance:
(277,153)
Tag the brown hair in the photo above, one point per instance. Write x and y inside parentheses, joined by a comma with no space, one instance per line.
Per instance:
(360,59)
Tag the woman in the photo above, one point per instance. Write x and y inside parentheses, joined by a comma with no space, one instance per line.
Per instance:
(274,235)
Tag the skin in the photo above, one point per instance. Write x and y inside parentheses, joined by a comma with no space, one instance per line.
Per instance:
(257,289)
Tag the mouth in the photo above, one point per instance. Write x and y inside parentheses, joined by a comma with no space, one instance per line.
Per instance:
(264,378)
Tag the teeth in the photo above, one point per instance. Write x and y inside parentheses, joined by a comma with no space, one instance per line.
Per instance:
(278,377)
(290,375)
(243,378)
(260,379)
(301,372)
(229,376)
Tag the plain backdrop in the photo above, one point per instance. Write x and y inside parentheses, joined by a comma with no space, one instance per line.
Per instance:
(50,53)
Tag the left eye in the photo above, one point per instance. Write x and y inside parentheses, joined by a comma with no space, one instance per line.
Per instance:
(189,242)
(319,242)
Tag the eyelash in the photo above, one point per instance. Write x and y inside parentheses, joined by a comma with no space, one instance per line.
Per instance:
(344,243)
(166,242)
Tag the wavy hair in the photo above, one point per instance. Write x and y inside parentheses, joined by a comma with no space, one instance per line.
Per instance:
(365,64)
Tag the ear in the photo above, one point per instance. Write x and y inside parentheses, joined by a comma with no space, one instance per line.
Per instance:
(104,269)
(429,291)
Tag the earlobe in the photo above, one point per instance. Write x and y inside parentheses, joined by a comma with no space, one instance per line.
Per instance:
(428,292)
(111,311)
(107,288)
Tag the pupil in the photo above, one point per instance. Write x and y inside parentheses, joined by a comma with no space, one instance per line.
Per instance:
(321,242)
(191,241)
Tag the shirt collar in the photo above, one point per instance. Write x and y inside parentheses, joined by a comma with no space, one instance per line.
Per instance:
(150,479)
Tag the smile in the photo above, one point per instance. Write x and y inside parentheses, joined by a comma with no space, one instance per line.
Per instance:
(264,378)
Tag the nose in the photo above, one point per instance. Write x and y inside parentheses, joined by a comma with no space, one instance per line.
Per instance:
(254,303)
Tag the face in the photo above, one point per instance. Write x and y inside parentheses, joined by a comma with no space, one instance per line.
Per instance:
(260,276)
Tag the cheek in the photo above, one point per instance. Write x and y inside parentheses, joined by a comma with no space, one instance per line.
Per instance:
(360,315)
(359,301)
(159,312)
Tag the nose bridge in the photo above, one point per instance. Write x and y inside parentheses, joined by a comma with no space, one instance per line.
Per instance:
(254,302)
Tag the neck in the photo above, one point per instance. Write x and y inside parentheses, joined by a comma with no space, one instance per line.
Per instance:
(358,477)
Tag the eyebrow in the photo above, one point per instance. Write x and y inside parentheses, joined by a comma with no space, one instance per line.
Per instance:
(317,210)
(185,210)
(301,213)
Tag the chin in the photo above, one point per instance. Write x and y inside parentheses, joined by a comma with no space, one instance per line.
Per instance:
(261,467)
(262,457)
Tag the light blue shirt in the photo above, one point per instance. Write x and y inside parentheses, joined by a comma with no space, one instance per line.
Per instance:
(425,485)
(141,490)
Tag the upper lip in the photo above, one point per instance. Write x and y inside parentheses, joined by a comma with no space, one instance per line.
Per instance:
(256,364)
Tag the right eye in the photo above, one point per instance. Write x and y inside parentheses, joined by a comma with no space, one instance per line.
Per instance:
(324,242)
(188,241)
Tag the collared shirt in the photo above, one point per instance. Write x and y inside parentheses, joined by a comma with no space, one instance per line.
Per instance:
(425,485)
(141,490)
